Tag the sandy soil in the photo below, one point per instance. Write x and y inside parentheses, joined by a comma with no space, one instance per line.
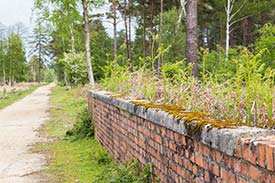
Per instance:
(18,131)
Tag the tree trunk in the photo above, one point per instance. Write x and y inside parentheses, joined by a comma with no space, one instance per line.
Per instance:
(227,34)
(192,35)
(126,33)
(151,26)
(39,62)
(144,36)
(247,31)
(130,32)
(115,32)
(160,38)
(3,66)
(87,43)
(72,38)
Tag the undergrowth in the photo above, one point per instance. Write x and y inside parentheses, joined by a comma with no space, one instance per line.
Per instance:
(78,157)
(240,89)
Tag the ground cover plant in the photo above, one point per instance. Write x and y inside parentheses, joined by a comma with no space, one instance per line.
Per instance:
(74,154)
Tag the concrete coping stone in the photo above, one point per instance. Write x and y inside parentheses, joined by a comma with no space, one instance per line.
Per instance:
(225,140)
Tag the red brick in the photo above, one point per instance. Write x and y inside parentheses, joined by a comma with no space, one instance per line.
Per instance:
(198,180)
(188,165)
(195,170)
(236,165)
(261,155)
(245,151)
(244,169)
(269,157)
(219,157)
(207,176)
(241,180)
(264,177)
(228,161)
(199,161)
(206,150)
(253,173)
(227,176)
(215,169)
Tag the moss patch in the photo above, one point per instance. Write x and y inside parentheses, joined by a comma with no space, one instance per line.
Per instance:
(194,121)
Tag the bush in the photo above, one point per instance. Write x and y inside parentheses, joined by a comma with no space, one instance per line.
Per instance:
(83,127)
(128,173)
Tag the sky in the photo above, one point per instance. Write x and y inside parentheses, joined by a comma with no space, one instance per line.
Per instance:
(14,11)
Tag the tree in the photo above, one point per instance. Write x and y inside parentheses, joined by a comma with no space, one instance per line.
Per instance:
(75,68)
(192,35)
(39,44)
(34,65)
(16,59)
(230,15)
(87,44)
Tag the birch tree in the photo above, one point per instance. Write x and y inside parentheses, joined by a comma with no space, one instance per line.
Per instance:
(230,15)
(87,43)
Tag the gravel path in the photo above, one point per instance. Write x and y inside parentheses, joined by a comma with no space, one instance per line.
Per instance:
(18,131)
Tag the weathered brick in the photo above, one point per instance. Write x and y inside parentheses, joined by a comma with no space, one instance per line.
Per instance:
(253,172)
(207,176)
(227,176)
(219,156)
(270,157)
(264,177)
(261,154)
(241,180)
(199,161)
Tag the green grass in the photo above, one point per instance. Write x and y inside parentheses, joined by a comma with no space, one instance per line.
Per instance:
(71,160)
(83,160)
(9,98)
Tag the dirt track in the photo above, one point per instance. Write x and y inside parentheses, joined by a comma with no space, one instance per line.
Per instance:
(18,125)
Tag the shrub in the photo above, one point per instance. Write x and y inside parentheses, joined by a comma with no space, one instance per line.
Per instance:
(83,127)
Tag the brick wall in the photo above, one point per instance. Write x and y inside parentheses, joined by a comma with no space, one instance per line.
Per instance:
(127,131)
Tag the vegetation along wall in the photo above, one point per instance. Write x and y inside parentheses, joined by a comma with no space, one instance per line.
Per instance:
(179,152)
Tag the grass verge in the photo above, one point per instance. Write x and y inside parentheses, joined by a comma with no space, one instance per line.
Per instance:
(9,98)
(82,160)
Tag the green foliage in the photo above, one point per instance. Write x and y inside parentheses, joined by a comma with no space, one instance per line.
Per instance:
(48,75)
(75,68)
(119,75)
(266,41)
(103,157)
(83,126)
(81,159)
(128,172)
(16,60)
(173,34)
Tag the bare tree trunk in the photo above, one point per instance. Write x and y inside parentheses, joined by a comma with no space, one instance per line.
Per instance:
(227,34)
(39,62)
(192,35)
(160,38)
(151,26)
(130,32)
(87,44)
(3,65)
(126,33)
(10,76)
(115,32)
(229,22)
(247,31)
(72,38)
(144,36)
